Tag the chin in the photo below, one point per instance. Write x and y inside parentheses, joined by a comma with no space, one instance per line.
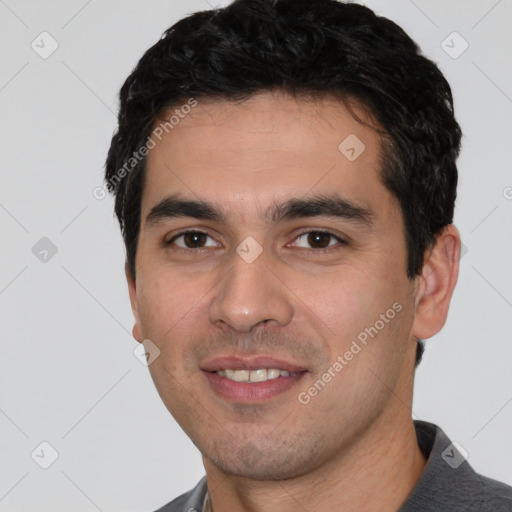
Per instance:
(266,464)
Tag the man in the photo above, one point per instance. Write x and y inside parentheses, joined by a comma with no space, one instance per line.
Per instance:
(284,175)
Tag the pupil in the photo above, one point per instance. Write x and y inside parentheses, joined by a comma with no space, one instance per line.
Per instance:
(318,239)
(194,239)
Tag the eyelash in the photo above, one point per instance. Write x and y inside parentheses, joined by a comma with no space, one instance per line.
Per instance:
(340,241)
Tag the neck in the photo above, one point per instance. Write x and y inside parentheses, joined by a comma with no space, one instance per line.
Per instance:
(377,473)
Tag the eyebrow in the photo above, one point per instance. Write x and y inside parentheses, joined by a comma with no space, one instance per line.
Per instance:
(332,205)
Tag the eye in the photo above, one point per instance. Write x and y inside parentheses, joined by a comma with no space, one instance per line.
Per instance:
(192,240)
(318,240)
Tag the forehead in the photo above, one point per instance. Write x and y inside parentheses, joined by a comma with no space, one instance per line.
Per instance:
(269,147)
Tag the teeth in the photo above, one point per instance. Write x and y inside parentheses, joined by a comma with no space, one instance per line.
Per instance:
(240,375)
(273,374)
(260,375)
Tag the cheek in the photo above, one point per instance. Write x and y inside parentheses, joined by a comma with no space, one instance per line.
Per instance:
(166,301)
(169,310)
(346,301)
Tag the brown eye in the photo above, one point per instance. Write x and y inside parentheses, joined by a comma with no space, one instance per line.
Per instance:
(318,240)
(192,240)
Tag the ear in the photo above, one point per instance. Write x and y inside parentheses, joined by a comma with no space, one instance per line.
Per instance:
(136,331)
(436,283)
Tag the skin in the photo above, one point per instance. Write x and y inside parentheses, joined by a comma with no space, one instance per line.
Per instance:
(354,443)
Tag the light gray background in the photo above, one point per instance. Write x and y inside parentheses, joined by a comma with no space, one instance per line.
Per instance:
(67,372)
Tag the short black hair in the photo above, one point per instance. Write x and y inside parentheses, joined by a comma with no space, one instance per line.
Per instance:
(301,47)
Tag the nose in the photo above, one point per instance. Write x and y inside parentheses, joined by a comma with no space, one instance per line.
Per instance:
(250,294)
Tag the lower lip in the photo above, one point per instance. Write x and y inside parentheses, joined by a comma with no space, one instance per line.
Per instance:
(251,392)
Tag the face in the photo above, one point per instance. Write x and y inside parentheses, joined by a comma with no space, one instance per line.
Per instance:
(269,252)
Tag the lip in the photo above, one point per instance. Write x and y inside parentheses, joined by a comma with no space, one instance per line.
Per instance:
(252,363)
(251,392)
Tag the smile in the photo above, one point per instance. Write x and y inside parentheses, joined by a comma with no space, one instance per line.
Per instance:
(260,375)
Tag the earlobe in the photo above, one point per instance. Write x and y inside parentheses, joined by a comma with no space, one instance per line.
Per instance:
(132,290)
(436,283)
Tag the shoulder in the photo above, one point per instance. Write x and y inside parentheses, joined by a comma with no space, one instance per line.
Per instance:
(449,483)
(495,496)
(191,501)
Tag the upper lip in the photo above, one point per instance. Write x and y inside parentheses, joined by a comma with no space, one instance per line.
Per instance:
(249,363)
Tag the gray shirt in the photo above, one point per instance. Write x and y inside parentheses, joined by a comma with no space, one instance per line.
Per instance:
(448,483)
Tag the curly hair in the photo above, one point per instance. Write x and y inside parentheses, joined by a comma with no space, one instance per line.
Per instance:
(325,47)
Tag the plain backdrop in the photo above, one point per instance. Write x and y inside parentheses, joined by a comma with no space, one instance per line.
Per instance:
(68,375)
